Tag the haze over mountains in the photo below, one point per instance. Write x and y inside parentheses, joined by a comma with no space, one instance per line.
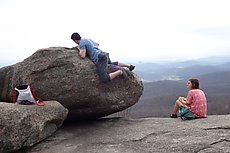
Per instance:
(165,82)
(180,70)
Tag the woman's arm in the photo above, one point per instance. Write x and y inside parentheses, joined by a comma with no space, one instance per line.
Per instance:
(183,101)
(189,98)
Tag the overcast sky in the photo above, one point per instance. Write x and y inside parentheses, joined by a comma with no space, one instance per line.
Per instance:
(130,30)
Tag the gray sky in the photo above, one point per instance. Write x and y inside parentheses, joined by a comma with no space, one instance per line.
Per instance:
(130,30)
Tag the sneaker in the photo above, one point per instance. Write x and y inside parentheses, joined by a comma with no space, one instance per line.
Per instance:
(173,115)
(131,67)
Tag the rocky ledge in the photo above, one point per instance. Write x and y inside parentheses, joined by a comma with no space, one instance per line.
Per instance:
(160,135)
(25,125)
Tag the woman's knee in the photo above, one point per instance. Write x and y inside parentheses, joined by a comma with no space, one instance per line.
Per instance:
(178,103)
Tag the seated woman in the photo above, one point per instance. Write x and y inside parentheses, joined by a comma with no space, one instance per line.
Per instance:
(195,101)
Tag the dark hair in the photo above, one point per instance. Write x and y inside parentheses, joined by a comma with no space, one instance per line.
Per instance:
(195,83)
(75,36)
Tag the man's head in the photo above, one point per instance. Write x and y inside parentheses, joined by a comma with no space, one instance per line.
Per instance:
(76,38)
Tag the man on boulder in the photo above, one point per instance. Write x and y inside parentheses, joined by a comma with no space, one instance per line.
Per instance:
(89,48)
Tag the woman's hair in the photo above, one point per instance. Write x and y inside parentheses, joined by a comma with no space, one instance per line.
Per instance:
(195,83)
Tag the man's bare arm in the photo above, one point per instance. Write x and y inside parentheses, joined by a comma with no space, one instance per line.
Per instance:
(82,53)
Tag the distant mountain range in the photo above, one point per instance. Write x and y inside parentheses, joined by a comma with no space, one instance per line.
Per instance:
(165,82)
(181,70)
(3,64)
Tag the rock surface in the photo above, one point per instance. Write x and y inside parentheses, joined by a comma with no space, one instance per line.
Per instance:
(155,135)
(58,73)
(26,125)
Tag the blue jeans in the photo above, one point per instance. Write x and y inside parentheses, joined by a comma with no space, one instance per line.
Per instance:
(102,67)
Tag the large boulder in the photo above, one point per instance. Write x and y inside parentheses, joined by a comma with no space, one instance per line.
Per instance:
(25,125)
(58,73)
